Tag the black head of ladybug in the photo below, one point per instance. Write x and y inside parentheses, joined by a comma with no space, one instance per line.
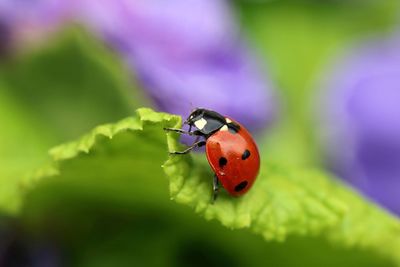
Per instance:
(206,121)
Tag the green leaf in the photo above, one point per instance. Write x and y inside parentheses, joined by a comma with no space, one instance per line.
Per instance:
(132,142)
(121,163)
(287,201)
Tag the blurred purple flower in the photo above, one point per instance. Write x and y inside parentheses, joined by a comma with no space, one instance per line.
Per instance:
(17,249)
(23,21)
(5,37)
(186,53)
(45,12)
(361,122)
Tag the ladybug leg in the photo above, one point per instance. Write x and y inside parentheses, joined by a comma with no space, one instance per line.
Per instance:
(197,139)
(215,189)
(187,150)
(197,133)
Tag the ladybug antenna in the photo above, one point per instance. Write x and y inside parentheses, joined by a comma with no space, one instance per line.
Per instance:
(192,108)
(186,121)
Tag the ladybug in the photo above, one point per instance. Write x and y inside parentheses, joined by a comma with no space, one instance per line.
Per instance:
(230,149)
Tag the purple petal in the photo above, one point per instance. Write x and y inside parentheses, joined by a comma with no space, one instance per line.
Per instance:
(16,249)
(31,20)
(5,38)
(362,120)
(187,54)
(28,12)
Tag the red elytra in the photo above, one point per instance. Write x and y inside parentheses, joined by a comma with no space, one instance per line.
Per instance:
(231,150)
(240,169)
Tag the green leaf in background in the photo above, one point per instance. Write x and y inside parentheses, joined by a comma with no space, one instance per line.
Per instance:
(22,147)
(111,182)
(52,94)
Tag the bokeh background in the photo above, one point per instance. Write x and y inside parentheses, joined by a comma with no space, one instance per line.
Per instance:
(317,82)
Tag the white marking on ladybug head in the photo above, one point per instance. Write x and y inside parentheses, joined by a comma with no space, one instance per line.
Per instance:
(200,123)
(224,128)
(228,120)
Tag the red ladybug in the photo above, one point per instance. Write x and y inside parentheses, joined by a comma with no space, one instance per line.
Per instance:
(231,151)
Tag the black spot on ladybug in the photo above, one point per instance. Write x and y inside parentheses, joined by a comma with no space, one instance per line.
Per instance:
(245,154)
(222,161)
(233,127)
(241,186)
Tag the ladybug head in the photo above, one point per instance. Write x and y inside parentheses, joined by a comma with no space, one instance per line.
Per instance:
(207,121)
(196,115)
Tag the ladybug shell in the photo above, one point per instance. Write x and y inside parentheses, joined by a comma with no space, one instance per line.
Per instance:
(234,158)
